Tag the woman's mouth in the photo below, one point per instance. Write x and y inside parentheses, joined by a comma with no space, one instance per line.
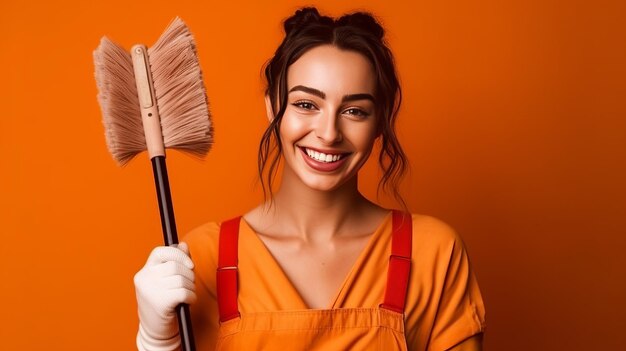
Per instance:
(323,162)
(322,157)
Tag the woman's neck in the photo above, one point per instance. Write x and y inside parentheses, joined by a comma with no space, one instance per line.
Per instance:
(312,214)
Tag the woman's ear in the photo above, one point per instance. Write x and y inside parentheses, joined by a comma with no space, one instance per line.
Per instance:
(268,108)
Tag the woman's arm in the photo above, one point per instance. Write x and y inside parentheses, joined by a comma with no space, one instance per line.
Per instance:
(474,343)
(453,312)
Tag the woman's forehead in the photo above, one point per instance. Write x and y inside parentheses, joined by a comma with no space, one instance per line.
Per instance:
(332,70)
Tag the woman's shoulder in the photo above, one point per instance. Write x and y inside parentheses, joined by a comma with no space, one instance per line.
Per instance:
(433,227)
(203,242)
(433,235)
(204,233)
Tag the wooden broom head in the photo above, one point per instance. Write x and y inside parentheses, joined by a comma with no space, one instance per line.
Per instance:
(179,89)
(119,103)
(180,92)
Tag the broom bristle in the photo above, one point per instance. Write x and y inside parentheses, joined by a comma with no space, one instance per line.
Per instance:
(118,101)
(180,92)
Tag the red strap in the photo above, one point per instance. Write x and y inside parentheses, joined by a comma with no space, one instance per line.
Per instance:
(397,273)
(227,287)
(399,268)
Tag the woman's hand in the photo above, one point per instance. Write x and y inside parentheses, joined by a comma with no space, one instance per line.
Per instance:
(166,281)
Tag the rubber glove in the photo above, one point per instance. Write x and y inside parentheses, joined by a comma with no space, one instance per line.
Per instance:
(166,281)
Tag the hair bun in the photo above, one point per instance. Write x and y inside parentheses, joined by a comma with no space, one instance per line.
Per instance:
(303,17)
(363,20)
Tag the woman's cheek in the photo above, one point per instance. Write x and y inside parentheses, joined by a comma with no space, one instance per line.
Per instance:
(293,127)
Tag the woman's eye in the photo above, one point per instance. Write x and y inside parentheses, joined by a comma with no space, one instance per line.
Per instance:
(356,112)
(305,105)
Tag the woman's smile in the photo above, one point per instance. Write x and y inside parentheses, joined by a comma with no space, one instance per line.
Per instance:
(324,155)
(323,162)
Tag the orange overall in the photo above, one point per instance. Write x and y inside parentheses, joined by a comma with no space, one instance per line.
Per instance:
(379,328)
(443,304)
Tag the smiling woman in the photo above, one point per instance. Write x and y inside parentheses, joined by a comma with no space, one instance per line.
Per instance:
(317,266)
(357,33)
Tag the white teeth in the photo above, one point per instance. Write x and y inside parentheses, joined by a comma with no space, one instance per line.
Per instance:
(322,157)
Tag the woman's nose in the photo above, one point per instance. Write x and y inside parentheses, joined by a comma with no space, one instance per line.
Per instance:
(327,129)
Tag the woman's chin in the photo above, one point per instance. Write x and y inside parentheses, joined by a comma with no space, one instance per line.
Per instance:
(324,183)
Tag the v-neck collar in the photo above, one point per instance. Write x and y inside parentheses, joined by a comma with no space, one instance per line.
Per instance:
(278,272)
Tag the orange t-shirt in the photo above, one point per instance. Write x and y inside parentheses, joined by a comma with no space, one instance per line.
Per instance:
(443,306)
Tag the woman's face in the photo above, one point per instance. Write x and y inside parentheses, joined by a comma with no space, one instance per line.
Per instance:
(329,125)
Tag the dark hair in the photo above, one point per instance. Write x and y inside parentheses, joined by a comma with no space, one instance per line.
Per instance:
(359,32)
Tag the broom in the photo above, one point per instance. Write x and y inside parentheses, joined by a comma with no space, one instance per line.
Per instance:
(153,99)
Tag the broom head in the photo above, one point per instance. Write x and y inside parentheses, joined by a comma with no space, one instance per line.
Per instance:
(181,98)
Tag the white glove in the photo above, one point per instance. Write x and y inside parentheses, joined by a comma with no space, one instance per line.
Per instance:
(166,281)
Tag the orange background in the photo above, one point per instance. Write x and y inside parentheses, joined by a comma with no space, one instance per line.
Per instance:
(514,120)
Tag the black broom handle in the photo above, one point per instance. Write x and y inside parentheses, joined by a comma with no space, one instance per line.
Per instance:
(170,237)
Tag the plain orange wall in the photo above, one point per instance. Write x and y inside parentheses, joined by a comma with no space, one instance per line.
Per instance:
(514,120)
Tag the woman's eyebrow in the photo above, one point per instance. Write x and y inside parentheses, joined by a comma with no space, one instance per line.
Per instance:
(354,97)
(322,95)
(309,90)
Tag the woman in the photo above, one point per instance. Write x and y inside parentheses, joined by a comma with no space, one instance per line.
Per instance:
(319,266)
